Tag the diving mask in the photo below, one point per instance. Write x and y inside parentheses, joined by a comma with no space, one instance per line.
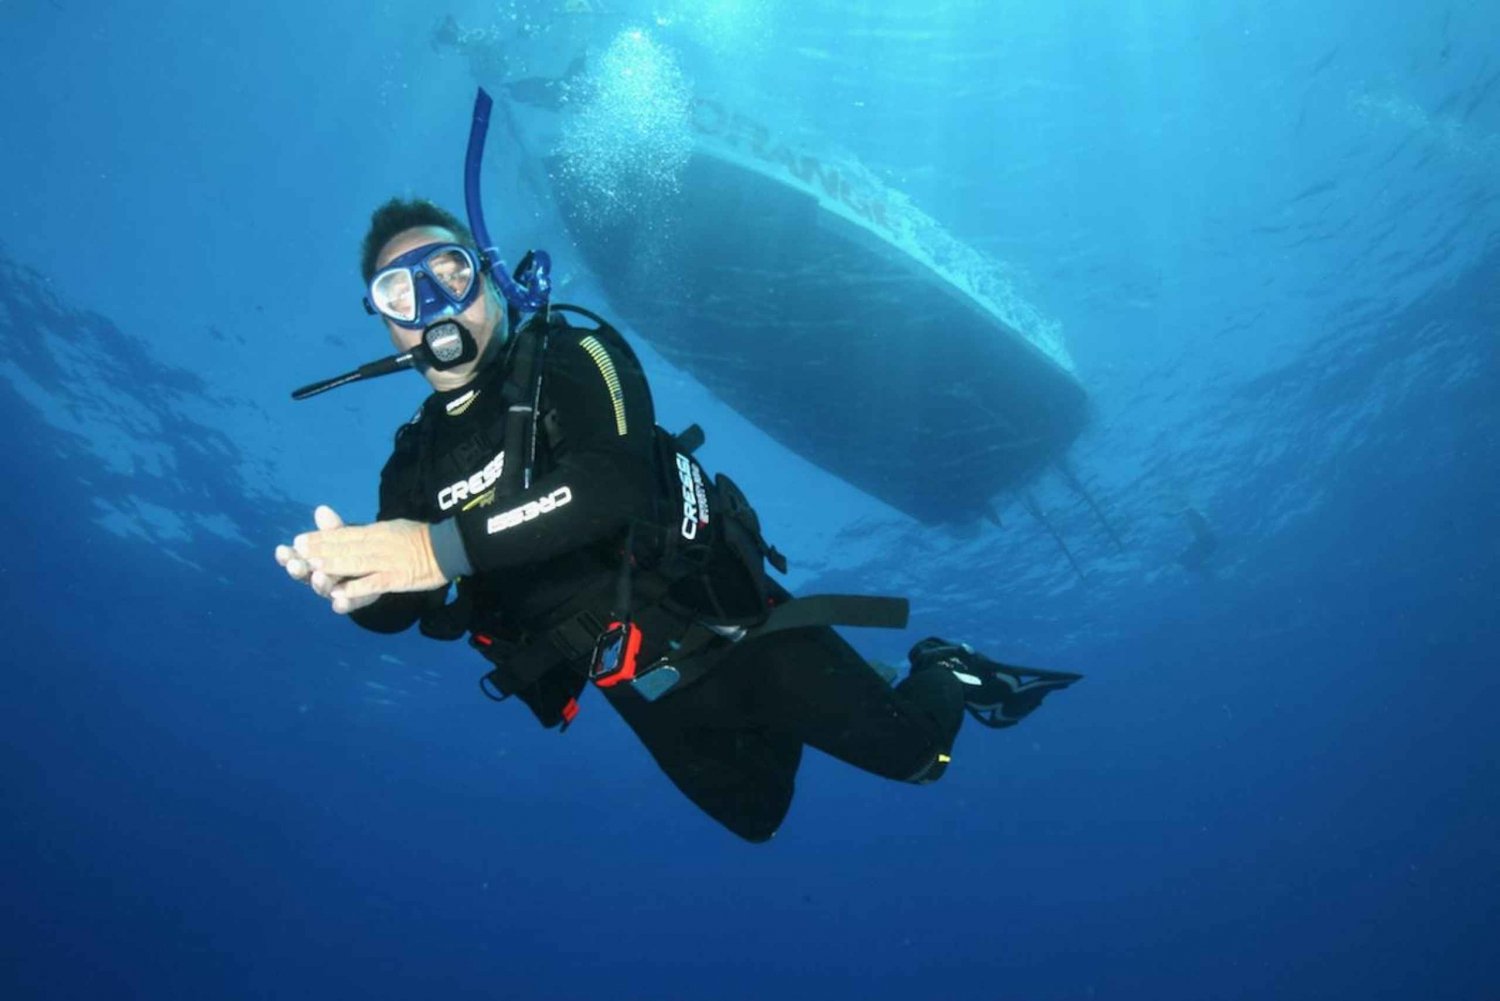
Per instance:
(422,286)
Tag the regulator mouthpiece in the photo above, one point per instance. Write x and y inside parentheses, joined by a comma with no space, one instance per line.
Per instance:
(444,345)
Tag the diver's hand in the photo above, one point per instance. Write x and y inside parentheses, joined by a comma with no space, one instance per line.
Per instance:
(321,583)
(367,561)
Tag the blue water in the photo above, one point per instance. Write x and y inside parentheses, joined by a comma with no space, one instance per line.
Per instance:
(1269,237)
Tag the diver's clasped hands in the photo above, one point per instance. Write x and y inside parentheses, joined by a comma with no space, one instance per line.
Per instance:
(353,565)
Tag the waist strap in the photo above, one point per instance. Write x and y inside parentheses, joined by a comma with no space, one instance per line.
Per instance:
(862,610)
(697,647)
(705,647)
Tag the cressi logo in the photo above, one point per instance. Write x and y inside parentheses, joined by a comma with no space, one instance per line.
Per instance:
(694,497)
(530,511)
(474,485)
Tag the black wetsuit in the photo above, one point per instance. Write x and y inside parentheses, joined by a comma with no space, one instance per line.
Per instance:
(732,740)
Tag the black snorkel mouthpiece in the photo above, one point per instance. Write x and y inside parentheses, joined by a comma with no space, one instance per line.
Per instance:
(444,345)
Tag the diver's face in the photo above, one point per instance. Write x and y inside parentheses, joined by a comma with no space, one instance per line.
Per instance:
(484,317)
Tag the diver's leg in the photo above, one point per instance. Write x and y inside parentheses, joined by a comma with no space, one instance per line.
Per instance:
(812,684)
(740,773)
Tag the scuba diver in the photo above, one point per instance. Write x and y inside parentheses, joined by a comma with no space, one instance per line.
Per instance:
(534,506)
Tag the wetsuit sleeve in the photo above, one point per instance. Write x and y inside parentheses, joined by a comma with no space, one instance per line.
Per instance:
(394,613)
(603,475)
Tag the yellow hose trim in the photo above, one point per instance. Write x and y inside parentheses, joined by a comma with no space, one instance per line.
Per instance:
(606,367)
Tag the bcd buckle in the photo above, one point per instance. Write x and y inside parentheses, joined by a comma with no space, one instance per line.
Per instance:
(616,660)
(615,655)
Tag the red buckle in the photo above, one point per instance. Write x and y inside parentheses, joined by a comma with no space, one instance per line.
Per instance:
(569,711)
(615,654)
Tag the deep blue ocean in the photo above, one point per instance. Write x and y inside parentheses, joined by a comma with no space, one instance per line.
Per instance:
(1269,235)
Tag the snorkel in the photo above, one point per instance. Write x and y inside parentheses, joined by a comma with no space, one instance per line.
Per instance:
(530,287)
(448,344)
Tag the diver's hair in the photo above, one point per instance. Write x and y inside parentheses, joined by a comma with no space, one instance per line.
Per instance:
(399,215)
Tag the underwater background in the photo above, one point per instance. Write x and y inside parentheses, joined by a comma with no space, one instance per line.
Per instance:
(1266,235)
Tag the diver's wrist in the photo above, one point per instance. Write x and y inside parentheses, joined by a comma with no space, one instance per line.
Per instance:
(448,549)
